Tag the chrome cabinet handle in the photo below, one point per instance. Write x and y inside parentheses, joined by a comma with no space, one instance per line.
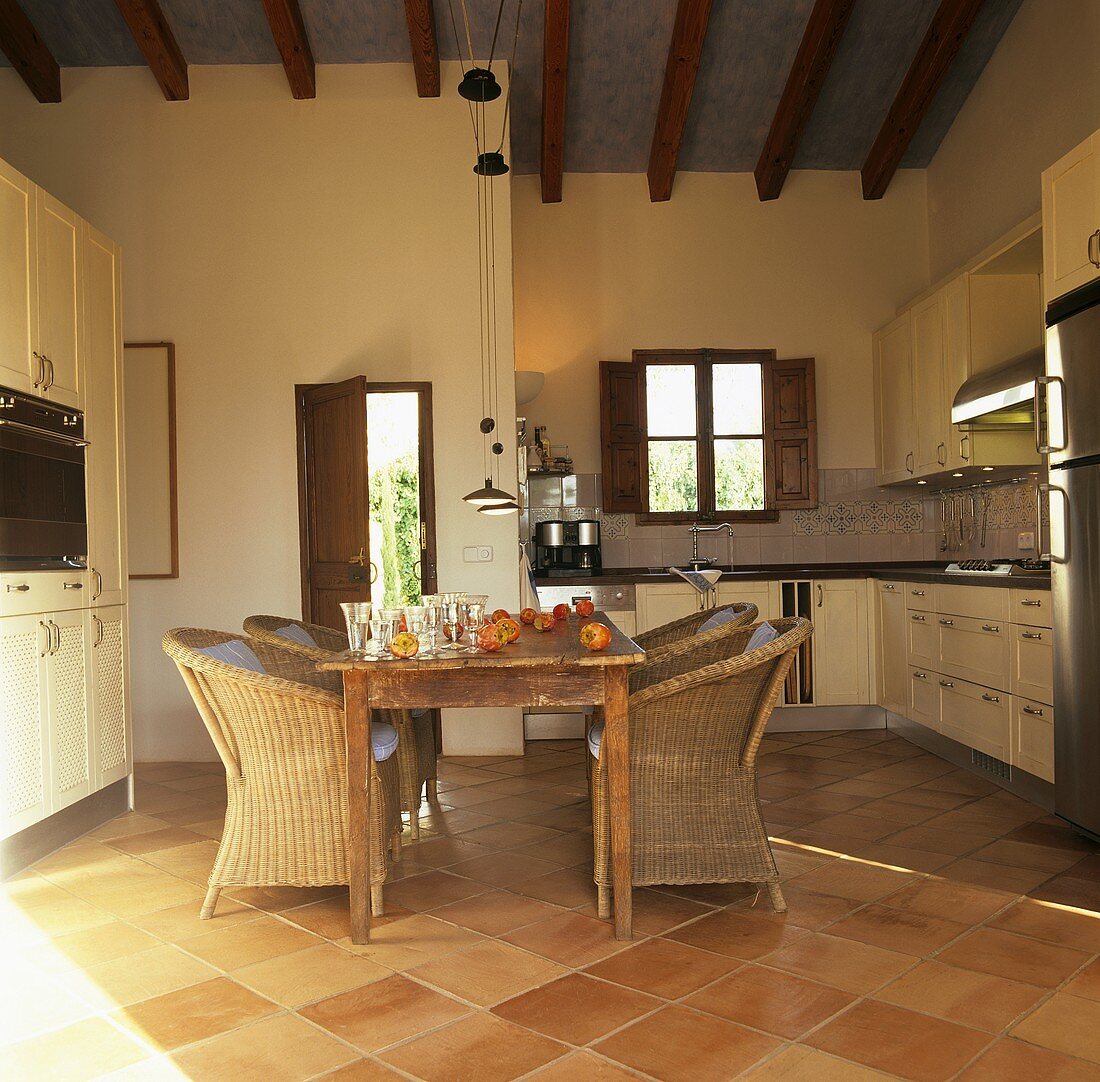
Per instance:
(1044,487)
(54,642)
(1034,711)
(19,588)
(946,684)
(49,640)
(920,676)
(947,623)
(965,456)
(98,630)
(72,586)
(917,593)
(991,698)
(98,584)
(52,374)
(41,378)
(1041,447)
(889,586)
(919,619)
(909,462)
(1031,603)
(1031,635)
(941,454)
(1094,243)
(991,627)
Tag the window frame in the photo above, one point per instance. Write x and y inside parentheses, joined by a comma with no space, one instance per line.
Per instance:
(703,361)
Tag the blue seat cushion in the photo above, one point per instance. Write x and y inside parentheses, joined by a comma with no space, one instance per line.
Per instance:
(234,652)
(297,634)
(761,636)
(595,736)
(383,739)
(718,619)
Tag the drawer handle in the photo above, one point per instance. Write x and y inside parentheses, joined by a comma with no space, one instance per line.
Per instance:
(947,623)
(889,586)
(1034,711)
(920,676)
(1031,635)
(919,619)
(991,698)
(917,593)
(21,588)
(991,627)
(946,684)
(72,586)
(1031,603)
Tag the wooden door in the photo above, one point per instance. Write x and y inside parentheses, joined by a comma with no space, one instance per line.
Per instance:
(928,363)
(58,301)
(894,400)
(1071,220)
(19,368)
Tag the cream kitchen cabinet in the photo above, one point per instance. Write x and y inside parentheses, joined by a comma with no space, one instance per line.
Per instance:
(842,645)
(1071,220)
(1033,663)
(112,744)
(657,605)
(976,716)
(895,423)
(893,673)
(19,366)
(761,593)
(1033,737)
(931,414)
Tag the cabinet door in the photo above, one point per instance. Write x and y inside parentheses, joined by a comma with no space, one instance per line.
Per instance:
(841,642)
(764,595)
(626,621)
(19,367)
(24,750)
(1033,738)
(892,668)
(58,231)
(102,353)
(1071,218)
(928,380)
(975,716)
(922,640)
(111,734)
(658,605)
(974,649)
(956,367)
(70,720)
(924,698)
(894,400)
(1033,663)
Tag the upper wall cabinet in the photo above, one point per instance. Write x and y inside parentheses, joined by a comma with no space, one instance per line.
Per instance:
(895,426)
(40,281)
(1071,220)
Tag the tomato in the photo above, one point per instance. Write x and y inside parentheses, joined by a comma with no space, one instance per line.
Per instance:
(404,644)
(544,621)
(527,616)
(585,607)
(509,628)
(561,612)
(498,615)
(488,638)
(595,636)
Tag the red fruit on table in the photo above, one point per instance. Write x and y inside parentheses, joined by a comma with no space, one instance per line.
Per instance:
(527,616)
(595,636)
(585,607)
(544,621)
(509,628)
(561,612)
(488,638)
(498,615)
(404,644)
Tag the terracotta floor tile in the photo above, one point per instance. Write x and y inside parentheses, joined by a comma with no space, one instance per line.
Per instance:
(503,869)
(497,912)
(431,890)
(412,941)
(1055,834)
(812,911)
(1024,855)
(777,1003)
(1015,957)
(1014,1061)
(715,895)
(739,934)
(663,968)
(576,1008)
(567,887)
(1041,920)
(364,1070)
(857,827)
(193,1014)
(306,976)
(939,840)
(477,1049)
(137,977)
(443,851)
(93,946)
(852,967)
(282,1049)
(488,973)
(181,922)
(384,1012)
(902,1042)
(974,999)
(584,1067)
(852,879)
(797,1063)
(982,873)
(1066,1024)
(899,930)
(511,835)
(45,1002)
(1087,983)
(84,1050)
(1069,890)
(680,1045)
(275,899)
(250,942)
(570,938)
(567,850)
(937,897)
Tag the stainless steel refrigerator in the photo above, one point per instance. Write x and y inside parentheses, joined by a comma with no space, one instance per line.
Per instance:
(1072,439)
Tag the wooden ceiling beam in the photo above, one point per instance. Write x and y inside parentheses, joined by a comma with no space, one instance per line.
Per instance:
(420,16)
(684,54)
(20,43)
(157,43)
(555,62)
(937,50)
(289,31)
(811,65)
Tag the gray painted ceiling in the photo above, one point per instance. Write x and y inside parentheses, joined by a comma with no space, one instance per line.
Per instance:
(617,59)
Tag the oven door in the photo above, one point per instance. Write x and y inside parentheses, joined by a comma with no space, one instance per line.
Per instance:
(43,510)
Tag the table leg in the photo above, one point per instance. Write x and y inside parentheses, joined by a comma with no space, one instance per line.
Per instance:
(357,720)
(616,741)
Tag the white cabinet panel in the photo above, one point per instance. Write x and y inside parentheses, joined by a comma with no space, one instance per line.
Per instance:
(893,673)
(1033,738)
(58,300)
(113,753)
(1032,607)
(922,640)
(1071,220)
(974,649)
(70,721)
(841,643)
(894,416)
(658,605)
(929,354)
(924,698)
(626,622)
(761,593)
(975,716)
(1033,663)
(19,368)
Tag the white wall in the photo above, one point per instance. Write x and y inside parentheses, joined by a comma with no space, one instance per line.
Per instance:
(1038,97)
(280,242)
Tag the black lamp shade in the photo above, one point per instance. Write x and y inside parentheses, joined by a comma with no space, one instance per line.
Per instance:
(479,84)
(491,164)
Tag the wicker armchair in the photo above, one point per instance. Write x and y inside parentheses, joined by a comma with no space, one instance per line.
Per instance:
(283,744)
(416,754)
(677,630)
(694,733)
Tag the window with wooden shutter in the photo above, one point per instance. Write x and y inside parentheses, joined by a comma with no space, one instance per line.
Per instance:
(791,409)
(621,425)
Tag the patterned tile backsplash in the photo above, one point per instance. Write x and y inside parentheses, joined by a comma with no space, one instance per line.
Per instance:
(855,521)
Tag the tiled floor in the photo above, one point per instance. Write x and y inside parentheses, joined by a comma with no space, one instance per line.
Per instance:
(939,928)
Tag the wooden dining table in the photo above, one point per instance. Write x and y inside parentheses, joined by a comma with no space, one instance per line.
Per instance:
(550,668)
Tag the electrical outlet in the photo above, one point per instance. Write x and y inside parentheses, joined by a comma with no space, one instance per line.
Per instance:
(477,554)
(1025,540)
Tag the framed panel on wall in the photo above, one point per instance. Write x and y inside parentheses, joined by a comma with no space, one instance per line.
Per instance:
(149,384)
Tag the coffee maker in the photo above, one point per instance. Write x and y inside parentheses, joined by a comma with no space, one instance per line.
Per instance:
(567,548)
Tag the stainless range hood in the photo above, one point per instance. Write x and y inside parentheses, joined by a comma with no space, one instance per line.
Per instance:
(1002,397)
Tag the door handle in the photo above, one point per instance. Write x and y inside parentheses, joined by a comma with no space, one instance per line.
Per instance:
(1030,635)
(919,619)
(920,676)
(98,630)
(55,637)
(1049,446)
(1094,243)
(820,595)
(909,462)
(41,377)
(941,454)
(1031,603)
(373,572)
(964,455)
(98,592)
(917,593)
(49,640)
(889,586)
(52,374)
(1048,488)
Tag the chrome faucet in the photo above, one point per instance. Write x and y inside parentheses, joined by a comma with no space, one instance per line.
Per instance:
(697,561)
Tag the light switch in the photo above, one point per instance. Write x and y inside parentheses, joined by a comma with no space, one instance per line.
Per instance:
(1025,540)
(485,553)
(477,554)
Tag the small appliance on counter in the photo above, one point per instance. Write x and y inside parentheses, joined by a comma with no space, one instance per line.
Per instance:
(567,548)
(1005,566)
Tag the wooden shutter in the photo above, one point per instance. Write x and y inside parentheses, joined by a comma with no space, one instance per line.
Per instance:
(790,411)
(621,434)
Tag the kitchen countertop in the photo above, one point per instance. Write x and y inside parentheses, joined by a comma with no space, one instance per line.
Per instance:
(922,572)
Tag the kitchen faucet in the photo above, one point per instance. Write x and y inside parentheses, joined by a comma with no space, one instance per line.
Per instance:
(698,561)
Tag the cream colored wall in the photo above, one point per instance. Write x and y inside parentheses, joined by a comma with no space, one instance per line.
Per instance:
(810,274)
(280,242)
(1038,97)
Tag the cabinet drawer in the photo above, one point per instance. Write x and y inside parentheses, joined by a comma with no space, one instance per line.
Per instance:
(1033,738)
(922,637)
(979,602)
(29,592)
(1033,663)
(919,595)
(1032,607)
(975,716)
(975,650)
(924,698)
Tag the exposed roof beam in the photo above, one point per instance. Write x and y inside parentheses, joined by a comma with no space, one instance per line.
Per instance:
(289,31)
(555,60)
(28,54)
(684,52)
(939,48)
(425,52)
(811,64)
(155,39)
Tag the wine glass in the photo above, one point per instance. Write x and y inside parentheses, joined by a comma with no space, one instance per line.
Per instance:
(381,630)
(432,621)
(357,616)
(414,620)
(454,624)
(475,620)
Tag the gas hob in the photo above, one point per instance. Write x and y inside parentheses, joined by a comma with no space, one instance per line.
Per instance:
(997,567)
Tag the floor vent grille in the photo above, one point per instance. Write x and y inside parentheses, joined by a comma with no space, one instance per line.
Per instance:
(990,764)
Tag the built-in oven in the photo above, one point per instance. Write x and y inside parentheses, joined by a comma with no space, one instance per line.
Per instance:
(43,508)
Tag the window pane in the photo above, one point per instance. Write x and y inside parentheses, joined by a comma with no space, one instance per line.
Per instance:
(738,399)
(670,399)
(739,475)
(673,476)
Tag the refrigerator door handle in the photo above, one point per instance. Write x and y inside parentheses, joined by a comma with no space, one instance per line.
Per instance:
(1049,445)
(1064,557)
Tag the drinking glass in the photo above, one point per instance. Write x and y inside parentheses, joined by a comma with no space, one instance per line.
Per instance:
(381,631)
(454,624)
(475,620)
(432,619)
(414,620)
(357,618)
(398,618)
